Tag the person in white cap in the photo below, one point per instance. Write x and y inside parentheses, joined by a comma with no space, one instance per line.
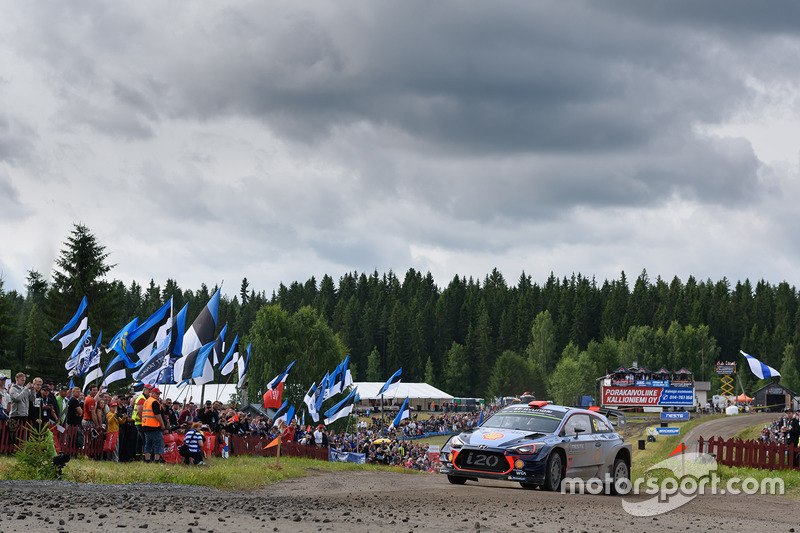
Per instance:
(4,397)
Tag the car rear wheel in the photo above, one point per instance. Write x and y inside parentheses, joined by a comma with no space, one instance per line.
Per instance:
(456,480)
(620,474)
(552,478)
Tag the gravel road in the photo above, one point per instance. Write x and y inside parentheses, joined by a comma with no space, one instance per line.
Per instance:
(366,501)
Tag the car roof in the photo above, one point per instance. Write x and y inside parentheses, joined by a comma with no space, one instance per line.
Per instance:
(551,409)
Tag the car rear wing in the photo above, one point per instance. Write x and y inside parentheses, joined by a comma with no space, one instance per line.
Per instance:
(616,417)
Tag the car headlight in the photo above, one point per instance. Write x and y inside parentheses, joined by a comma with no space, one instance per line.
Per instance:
(523,449)
(456,443)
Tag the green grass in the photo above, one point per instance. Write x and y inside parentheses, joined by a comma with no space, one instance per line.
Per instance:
(236,473)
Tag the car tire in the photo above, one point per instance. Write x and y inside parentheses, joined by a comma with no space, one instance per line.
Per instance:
(553,472)
(456,480)
(528,486)
(619,471)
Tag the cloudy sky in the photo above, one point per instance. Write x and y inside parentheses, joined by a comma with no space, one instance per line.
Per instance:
(216,140)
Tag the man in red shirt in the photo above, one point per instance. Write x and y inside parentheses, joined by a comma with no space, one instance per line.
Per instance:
(89,421)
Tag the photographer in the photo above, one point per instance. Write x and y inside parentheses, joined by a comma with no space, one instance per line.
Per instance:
(209,417)
(49,409)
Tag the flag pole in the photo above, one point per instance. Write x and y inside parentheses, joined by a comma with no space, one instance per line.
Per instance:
(226,383)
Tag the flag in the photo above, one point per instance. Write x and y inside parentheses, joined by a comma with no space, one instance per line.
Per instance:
(391,384)
(201,332)
(80,353)
(178,329)
(280,378)
(334,382)
(93,371)
(310,402)
(681,448)
(274,442)
(229,363)
(195,366)
(341,409)
(142,341)
(760,369)
(281,413)
(347,378)
(319,395)
(116,371)
(74,327)
(156,364)
(199,336)
(119,342)
(480,418)
(403,414)
(219,346)
(272,398)
(242,366)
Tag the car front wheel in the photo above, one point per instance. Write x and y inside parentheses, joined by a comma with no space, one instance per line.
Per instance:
(552,478)
(621,475)
(456,480)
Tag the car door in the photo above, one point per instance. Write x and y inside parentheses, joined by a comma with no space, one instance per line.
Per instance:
(580,446)
(606,442)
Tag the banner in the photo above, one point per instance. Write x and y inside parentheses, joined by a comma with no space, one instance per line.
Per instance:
(675,416)
(337,456)
(648,396)
(272,398)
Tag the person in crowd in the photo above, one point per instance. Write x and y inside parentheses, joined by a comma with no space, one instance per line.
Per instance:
(194,440)
(138,407)
(49,410)
(114,418)
(75,416)
(4,398)
(21,396)
(153,426)
(187,414)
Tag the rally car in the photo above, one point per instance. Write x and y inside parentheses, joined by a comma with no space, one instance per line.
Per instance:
(539,445)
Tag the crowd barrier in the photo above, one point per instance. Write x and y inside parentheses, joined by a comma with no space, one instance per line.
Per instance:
(77,441)
(750,453)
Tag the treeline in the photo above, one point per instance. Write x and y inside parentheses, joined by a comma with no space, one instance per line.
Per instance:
(471,337)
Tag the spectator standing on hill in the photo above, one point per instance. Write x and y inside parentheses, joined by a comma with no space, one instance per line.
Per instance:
(21,396)
(153,427)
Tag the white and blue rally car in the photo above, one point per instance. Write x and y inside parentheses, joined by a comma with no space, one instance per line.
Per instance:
(540,444)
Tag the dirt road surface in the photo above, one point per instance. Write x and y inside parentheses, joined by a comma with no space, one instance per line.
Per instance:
(367,501)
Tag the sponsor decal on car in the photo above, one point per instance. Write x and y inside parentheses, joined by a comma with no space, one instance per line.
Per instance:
(493,436)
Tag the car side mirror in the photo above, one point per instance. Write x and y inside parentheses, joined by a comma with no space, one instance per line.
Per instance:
(578,431)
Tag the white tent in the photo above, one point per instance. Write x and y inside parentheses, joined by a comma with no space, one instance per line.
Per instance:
(420,395)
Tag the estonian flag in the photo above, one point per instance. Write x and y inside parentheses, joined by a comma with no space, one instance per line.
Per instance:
(178,329)
(151,332)
(116,371)
(347,378)
(242,365)
(760,369)
(81,354)
(93,368)
(229,363)
(319,395)
(219,346)
(74,327)
(392,383)
(403,414)
(343,408)
(199,336)
(282,413)
(310,402)
(280,378)
(334,382)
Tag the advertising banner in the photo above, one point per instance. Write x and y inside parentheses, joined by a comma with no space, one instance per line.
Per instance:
(675,416)
(648,396)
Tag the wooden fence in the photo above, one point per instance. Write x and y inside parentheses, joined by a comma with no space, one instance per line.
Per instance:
(751,454)
(69,440)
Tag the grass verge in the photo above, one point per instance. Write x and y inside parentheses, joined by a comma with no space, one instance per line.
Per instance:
(236,473)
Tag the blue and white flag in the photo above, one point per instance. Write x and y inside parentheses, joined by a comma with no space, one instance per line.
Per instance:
(760,369)
(319,395)
(340,379)
(391,384)
(280,378)
(281,414)
(242,365)
(219,346)
(229,363)
(403,414)
(150,333)
(74,327)
(195,366)
(341,409)
(310,401)
(176,334)
(120,341)
(199,336)
(93,371)
(80,354)
(156,365)
(117,370)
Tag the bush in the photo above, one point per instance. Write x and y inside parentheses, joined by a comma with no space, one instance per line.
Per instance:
(35,455)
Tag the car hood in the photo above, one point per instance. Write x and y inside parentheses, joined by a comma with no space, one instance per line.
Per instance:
(495,437)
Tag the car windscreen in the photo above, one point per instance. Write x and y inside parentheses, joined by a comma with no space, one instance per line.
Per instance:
(533,422)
